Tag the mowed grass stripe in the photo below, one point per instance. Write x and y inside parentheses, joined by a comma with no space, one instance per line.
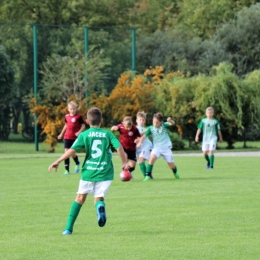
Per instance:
(204,215)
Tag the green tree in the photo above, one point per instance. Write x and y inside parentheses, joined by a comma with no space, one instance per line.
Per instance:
(6,92)
(203,17)
(87,12)
(236,102)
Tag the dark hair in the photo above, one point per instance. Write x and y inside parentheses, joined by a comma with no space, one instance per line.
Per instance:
(94,116)
(158,116)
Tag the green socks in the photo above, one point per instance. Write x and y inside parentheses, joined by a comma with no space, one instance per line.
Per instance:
(175,170)
(74,211)
(207,159)
(149,168)
(211,160)
(143,168)
(99,203)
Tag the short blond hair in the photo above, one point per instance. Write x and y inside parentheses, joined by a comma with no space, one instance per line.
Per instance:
(73,104)
(209,108)
(141,114)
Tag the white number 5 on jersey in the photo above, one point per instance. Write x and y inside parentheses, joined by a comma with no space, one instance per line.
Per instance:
(95,148)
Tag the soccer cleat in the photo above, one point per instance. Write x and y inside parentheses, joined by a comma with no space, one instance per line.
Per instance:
(176,175)
(101,212)
(66,232)
(211,167)
(66,173)
(147,178)
(77,167)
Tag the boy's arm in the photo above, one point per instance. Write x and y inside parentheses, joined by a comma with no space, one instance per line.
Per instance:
(114,128)
(66,155)
(123,157)
(220,136)
(139,141)
(62,132)
(197,135)
(81,129)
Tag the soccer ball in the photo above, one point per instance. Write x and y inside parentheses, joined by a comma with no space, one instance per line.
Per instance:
(125,176)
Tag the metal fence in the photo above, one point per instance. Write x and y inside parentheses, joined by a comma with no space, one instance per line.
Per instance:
(29,45)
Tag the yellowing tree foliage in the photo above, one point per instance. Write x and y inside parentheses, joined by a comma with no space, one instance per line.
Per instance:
(133,93)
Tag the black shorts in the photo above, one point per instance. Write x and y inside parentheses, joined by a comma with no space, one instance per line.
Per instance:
(131,155)
(68,143)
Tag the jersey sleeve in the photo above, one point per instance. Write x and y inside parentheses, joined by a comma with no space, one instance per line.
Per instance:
(113,140)
(200,125)
(218,126)
(81,121)
(137,133)
(166,124)
(148,131)
(79,143)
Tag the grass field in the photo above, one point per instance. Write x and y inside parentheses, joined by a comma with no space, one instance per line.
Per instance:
(204,215)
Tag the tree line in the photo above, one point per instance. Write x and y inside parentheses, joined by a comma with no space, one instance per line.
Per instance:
(193,37)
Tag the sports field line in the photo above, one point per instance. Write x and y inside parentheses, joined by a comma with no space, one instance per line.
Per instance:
(82,155)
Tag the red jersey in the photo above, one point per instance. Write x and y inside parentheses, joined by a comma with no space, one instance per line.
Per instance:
(127,137)
(73,126)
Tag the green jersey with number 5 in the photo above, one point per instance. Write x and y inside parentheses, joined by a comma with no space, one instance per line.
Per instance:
(98,164)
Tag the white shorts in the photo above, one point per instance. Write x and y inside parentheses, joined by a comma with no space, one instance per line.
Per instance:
(166,153)
(211,146)
(99,188)
(144,153)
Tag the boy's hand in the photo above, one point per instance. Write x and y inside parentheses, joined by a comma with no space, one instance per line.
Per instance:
(137,140)
(169,119)
(114,128)
(59,136)
(139,144)
(125,167)
(54,165)
(77,134)
(196,139)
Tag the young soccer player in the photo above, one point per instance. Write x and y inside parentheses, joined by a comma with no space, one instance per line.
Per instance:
(161,144)
(97,170)
(210,129)
(74,125)
(143,153)
(128,134)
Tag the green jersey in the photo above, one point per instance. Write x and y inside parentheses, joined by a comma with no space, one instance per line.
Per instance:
(161,138)
(98,164)
(209,128)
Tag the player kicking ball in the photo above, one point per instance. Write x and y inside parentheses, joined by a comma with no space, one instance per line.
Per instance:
(97,170)
(210,129)
(161,144)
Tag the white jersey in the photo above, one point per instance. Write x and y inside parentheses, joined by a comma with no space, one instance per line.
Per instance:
(147,144)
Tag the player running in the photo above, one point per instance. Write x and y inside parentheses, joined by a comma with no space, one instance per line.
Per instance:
(97,170)
(210,129)
(128,134)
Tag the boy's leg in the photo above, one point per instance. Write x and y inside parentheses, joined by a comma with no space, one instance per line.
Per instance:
(205,148)
(74,212)
(67,164)
(212,147)
(77,162)
(149,167)
(211,159)
(168,157)
(144,155)
(100,191)
(141,162)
